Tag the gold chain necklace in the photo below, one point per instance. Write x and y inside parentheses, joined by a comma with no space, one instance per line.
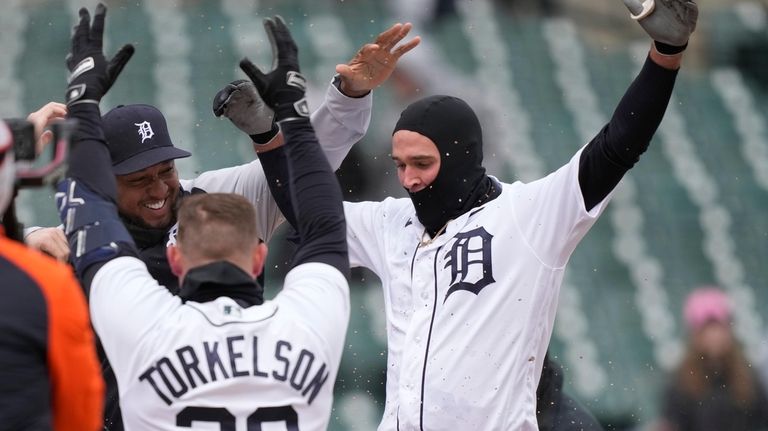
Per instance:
(424,243)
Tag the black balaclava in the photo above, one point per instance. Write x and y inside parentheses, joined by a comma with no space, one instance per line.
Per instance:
(461,183)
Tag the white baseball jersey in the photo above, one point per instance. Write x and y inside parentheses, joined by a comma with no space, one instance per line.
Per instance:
(217,365)
(469,316)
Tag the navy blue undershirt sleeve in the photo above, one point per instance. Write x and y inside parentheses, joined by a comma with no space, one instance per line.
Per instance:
(618,146)
(275,165)
(89,160)
(316,210)
(90,165)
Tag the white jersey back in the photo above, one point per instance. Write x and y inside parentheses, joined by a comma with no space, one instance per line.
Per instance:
(469,316)
(217,364)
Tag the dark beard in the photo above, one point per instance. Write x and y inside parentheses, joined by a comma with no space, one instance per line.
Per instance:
(143,234)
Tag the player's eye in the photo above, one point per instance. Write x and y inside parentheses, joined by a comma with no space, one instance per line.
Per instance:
(138,182)
(167,173)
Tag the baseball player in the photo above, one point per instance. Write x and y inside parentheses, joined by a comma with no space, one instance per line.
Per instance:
(148,185)
(49,378)
(216,353)
(471,266)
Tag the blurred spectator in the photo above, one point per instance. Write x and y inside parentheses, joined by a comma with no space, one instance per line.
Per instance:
(714,387)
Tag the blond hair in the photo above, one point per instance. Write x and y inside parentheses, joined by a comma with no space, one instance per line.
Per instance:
(216,226)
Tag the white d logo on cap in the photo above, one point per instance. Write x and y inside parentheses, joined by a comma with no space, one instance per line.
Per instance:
(145,130)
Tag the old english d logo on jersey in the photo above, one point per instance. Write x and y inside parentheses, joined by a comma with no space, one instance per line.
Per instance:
(470,261)
(172,233)
(145,130)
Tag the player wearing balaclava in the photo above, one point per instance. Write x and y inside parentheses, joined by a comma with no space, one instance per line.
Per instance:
(461,183)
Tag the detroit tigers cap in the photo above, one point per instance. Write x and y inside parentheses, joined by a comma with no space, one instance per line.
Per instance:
(137,137)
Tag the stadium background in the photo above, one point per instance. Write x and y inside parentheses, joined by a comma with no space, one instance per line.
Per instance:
(543,76)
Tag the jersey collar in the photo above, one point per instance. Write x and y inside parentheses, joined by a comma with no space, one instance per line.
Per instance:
(208,282)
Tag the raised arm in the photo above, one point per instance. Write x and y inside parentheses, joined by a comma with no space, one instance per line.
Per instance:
(618,146)
(343,117)
(315,196)
(86,198)
(370,67)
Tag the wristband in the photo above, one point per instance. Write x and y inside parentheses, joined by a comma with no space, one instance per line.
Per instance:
(263,138)
(666,49)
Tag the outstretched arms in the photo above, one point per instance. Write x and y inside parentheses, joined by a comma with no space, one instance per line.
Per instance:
(315,195)
(341,120)
(370,67)
(618,146)
(86,198)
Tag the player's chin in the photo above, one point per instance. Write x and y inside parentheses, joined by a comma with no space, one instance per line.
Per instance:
(157,217)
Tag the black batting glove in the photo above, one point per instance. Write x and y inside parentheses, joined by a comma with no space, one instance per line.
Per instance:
(90,75)
(283,88)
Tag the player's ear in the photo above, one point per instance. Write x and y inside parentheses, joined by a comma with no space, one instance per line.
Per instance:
(174,260)
(259,256)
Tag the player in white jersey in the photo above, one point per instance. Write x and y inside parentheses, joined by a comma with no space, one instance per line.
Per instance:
(471,266)
(149,189)
(216,353)
(143,156)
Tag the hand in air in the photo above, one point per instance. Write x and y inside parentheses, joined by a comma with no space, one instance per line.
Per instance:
(374,62)
(666,21)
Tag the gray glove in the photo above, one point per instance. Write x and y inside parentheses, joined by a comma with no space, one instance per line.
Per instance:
(241,103)
(670,22)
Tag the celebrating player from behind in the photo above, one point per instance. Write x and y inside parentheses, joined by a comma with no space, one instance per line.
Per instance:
(471,267)
(149,189)
(217,353)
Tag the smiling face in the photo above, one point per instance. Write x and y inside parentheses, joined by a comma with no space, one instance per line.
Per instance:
(416,158)
(149,196)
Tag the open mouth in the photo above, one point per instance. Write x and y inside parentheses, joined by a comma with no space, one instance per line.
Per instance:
(155,205)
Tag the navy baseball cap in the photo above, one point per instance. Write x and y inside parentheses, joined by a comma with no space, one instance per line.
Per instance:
(137,137)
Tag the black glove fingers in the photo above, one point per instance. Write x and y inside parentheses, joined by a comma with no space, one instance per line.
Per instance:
(116,65)
(281,31)
(287,51)
(97,30)
(269,28)
(280,21)
(80,38)
(253,72)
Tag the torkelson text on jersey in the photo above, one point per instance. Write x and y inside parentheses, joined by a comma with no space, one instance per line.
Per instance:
(173,377)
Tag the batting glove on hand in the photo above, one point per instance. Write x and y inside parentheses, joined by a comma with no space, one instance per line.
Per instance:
(668,22)
(91,76)
(283,88)
(241,103)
